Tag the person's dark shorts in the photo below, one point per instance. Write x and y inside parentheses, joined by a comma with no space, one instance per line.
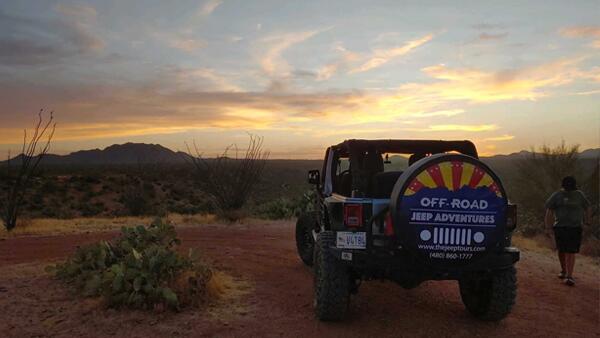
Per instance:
(568,239)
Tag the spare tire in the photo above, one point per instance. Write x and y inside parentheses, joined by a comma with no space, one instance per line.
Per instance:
(449,210)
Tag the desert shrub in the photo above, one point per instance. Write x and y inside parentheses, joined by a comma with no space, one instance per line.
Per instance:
(280,208)
(88,209)
(57,208)
(529,223)
(140,269)
(591,246)
(185,208)
(15,184)
(48,187)
(137,196)
(229,181)
(539,175)
(283,208)
(90,179)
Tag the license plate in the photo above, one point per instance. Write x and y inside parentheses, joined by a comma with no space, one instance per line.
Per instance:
(351,240)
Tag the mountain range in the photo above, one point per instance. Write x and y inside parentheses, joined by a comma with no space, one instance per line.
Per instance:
(128,153)
(135,153)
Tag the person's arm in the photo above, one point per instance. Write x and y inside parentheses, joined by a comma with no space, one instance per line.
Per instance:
(549,219)
(587,210)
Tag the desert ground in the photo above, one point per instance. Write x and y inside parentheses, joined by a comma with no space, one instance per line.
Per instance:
(268,293)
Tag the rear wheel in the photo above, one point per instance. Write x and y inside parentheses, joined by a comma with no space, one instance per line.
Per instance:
(332,281)
(305,242)
(490,297)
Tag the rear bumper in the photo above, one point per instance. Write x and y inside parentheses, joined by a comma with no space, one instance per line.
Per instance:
(400,261)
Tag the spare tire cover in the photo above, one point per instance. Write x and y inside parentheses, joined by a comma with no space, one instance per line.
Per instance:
(449,210)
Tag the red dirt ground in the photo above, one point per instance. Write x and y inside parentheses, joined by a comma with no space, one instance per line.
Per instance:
(32,304)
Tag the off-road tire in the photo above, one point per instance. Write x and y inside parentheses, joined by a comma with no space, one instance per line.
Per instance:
(305,242)
(332,281)
(490,297)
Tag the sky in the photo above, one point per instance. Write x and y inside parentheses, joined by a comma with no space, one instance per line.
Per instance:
(302,74)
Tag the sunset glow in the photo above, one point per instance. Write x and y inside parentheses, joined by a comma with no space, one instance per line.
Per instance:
(302,74)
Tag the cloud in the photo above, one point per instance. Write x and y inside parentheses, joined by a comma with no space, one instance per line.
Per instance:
(327,71)
(272,61)
(475,85)
(589,92)
(343,62)
(166,105)
(581,32)
(379,57)
(209,6)
(175,79)
(83,14)
(27,41)
(491,36)
(445,113)
(458,127)
(184,40)
(504,137)
(186,44)
(487,26)
(591,32)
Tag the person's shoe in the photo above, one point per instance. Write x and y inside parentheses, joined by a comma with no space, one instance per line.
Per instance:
(562,275)
(570,281)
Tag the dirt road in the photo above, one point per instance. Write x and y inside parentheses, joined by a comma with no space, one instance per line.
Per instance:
(280,302)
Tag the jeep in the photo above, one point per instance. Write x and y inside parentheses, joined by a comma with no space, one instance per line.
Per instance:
(431,211)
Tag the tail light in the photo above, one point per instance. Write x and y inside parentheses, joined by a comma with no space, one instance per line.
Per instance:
(388,225)
(511,217)
(353,215)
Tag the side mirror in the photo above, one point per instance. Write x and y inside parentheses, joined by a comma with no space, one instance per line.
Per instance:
(314,177)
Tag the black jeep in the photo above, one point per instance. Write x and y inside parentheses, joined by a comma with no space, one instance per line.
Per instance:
(445,216)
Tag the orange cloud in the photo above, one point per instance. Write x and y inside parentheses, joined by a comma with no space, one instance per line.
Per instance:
(459,127)
(480,86)
(209,6)
(383,56)
(583,32)
(272,61)
(201,98)
(186,44)
(504,137)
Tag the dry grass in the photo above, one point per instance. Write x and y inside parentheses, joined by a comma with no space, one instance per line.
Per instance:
(590,251)
(538,243)
(54,226)
(224,286)
(228,292)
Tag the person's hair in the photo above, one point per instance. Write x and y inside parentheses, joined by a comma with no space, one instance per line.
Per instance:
(569,183)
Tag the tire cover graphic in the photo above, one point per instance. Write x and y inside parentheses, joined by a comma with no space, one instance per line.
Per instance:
(449,210)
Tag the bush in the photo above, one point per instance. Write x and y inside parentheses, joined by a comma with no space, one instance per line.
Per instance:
(137,197)
(139,270)
(539,175)
(89,209)
(230,181)
(283,208)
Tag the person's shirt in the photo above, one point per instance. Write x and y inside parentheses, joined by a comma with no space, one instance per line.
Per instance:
(569,208)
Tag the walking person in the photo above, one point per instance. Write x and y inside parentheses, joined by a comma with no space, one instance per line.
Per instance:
(566,211)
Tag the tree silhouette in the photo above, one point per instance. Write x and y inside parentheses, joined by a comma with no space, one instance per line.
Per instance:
(34,149)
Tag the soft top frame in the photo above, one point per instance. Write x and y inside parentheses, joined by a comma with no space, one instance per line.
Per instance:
(406,146)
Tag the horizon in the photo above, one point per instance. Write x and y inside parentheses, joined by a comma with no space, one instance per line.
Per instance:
(13,156)
(302,75)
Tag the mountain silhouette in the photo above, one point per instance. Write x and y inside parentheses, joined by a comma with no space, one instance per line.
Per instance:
(128,153)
